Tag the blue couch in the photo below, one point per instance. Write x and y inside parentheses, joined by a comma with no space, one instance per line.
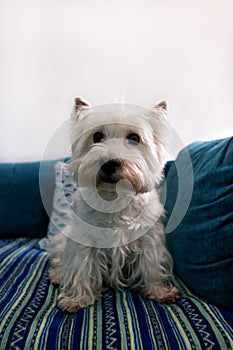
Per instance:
(198,197)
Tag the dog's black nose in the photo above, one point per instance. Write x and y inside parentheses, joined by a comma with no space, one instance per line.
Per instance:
(110,166)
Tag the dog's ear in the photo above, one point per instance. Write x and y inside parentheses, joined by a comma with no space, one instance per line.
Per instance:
(162,104)
(79,105)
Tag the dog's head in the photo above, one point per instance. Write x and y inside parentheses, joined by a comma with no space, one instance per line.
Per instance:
(117,143)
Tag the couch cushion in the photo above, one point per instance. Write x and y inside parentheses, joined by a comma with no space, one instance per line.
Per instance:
(121,319)
(199,223)
(22,212)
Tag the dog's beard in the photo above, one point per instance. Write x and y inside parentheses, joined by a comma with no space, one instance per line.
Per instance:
(128,177)
(107,171)
(128,180)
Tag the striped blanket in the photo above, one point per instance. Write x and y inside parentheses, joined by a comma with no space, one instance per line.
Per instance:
(30,319)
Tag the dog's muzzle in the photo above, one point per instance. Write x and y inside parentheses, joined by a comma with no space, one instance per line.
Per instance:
(110,171)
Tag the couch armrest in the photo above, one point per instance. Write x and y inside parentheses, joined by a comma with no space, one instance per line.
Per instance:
(22,211)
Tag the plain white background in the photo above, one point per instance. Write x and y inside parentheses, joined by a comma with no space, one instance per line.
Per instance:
(106,51)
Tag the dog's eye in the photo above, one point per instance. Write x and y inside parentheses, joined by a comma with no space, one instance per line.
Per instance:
(133,138)
(98,137)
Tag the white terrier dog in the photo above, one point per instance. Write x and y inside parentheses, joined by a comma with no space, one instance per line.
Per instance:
(116,238)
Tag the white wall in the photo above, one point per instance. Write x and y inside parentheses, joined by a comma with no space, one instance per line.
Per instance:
(53,50)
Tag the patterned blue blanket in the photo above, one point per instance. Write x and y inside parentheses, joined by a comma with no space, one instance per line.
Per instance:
(30,319)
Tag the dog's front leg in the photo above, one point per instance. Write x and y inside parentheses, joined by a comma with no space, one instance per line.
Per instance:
(81,280)
(155,271)
(55,248)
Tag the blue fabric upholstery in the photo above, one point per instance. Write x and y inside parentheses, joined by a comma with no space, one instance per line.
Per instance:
(202,242)
(22,212)
(121,319)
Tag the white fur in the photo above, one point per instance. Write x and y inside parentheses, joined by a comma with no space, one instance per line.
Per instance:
(117,237)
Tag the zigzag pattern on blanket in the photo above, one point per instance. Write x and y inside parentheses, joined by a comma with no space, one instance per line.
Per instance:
(30,319)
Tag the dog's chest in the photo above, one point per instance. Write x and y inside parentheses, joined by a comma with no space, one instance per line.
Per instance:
(122,265)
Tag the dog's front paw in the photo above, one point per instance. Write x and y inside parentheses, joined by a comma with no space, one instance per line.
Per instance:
(73,304)
(54,277)
(66,304)
(164,294)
